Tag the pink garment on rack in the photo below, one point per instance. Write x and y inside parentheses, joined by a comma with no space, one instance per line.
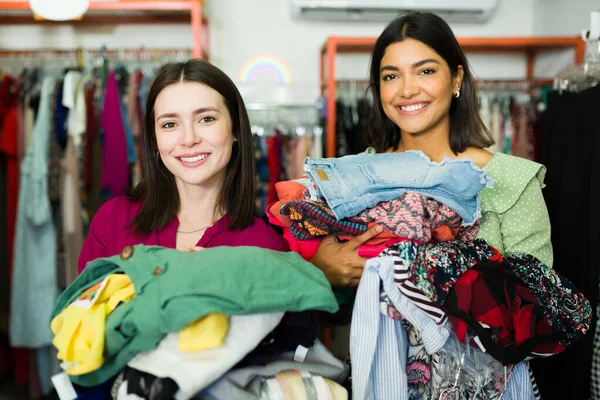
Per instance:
(135,122)
(115,165)
(521,145)
(72,226)
(496,129)
(275,164)
(298,150)
(133,104)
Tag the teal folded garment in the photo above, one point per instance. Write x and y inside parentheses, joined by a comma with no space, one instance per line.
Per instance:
(174,288)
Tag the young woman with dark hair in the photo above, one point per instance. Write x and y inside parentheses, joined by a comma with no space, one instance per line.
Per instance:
(425,99)
(198,159)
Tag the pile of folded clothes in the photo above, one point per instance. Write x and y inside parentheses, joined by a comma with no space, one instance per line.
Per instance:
(221,323)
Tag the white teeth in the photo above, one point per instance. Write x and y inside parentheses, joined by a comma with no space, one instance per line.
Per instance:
(193,159)
(413,107)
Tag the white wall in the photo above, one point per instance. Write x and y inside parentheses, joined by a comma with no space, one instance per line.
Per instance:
(266,28)
(555,18)
(242,29)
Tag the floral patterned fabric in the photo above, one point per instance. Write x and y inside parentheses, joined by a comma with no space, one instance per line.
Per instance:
(518,297)
(565,307)
(434,267)
(414,216)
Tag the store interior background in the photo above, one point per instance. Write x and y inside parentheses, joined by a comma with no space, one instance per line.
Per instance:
(241,30)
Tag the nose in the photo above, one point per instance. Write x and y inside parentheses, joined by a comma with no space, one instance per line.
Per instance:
(409,87)
(191,135)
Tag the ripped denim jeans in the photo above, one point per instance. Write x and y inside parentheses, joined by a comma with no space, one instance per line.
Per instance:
(354,183)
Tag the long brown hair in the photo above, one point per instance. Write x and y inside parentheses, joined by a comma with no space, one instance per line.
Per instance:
(158,191)
(466,127)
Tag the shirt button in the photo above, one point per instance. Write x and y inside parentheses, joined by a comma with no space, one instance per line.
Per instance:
(157,271)
(127,252)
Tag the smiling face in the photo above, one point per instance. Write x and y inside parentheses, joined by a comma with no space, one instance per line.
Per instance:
(193,134)
(416,87)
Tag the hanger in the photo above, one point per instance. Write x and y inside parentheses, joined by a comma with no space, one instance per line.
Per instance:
(576,78)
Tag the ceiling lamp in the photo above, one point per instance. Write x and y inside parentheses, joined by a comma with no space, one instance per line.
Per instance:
(59,10)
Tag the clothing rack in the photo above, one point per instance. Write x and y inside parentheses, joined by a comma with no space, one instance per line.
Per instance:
(84,58)
(529,46)
(523,85)
(18,12)
(298,119)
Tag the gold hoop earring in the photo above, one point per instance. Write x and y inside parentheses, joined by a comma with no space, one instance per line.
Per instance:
(457,94)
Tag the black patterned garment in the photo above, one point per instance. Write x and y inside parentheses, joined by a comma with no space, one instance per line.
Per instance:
(143,385)
(525,306)
(309,219)
(565,307)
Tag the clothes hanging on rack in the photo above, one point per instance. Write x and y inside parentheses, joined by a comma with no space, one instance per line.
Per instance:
(351,119)
(351,123)
(278,156)
(280,146)
(511,117)
(52,146)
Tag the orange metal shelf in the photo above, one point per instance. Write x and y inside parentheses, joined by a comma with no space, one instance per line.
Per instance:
(344,45)
(125,12)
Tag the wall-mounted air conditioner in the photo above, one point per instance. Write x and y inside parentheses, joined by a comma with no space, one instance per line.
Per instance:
(386,10)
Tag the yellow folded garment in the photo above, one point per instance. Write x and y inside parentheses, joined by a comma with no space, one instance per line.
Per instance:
(79,329)
(205,333)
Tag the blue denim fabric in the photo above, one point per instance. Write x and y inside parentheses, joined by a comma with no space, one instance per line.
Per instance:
(352,184)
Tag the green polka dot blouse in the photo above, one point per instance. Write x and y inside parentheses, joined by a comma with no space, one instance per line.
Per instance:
(514,215)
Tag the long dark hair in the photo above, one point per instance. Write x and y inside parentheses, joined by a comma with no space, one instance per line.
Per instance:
(158,191)
(466,127)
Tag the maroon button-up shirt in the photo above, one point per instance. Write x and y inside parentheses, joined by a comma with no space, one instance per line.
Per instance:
(109,233)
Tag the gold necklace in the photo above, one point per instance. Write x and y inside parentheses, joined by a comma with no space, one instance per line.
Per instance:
(197,230)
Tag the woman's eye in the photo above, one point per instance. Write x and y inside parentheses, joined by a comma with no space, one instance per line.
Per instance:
(388,77)
(168,125)
(427,72)
(207,119)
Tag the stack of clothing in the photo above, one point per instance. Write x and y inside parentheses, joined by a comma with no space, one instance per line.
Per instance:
(428,276)
(221,323)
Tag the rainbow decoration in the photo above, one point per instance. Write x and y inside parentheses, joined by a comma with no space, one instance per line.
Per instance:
(265,63)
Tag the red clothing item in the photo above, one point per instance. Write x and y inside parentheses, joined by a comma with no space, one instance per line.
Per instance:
(275,164)
(7,98)
(91,130)
(9,146)
(306,248)
(109,233)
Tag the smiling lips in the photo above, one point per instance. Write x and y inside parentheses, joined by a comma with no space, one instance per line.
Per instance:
(193,160)
(412,109)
